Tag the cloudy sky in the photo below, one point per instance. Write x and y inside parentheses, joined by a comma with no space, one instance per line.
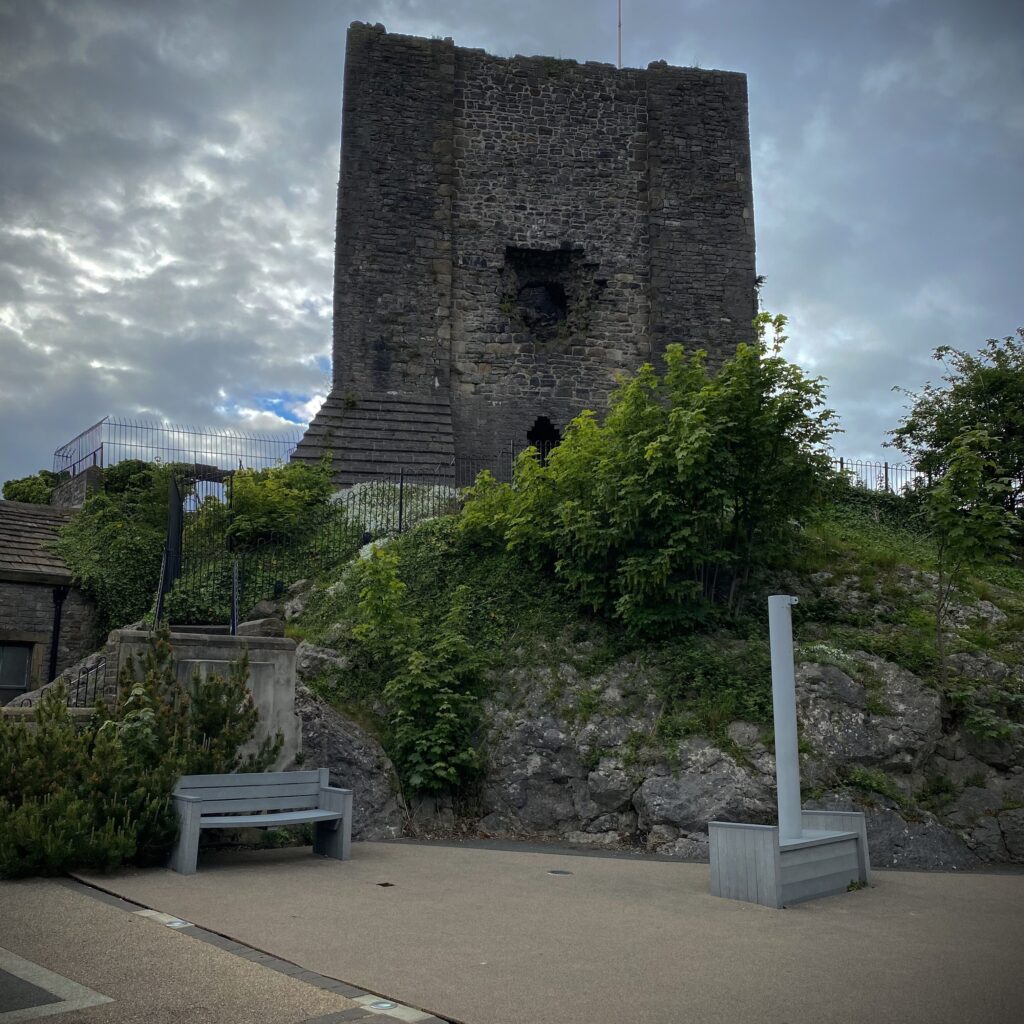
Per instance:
(168,174)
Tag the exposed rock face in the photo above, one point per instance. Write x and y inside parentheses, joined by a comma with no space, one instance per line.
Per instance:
(296,598)
(357,762)
(898,735)
(578,759)
(269,626)
(550,774)
(312,661)
(707,786)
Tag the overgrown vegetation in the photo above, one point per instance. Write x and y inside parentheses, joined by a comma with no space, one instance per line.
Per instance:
(656,517)
(96,795)
(36,489)
(422,622)
(114,545)
(632,542)
(969,519)
(981,392)
(278,525)
(638,538)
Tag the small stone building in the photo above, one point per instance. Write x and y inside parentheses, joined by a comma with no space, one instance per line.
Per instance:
(514,233)
(45,623)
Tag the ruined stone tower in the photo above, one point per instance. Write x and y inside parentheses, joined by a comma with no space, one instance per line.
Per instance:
(513,233)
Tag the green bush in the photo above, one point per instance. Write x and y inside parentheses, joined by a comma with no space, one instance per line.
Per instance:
(661,512)
(114,545)
(282,501)
(36,489)
(706,682)
(982,392)
(98,795)
(425,677)
(435,708)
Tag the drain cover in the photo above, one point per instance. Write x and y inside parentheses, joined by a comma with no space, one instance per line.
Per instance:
(559,871)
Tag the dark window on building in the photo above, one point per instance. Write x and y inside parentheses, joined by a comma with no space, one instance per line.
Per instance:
(15,670)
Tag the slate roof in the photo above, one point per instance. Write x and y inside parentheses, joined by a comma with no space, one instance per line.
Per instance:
(25,533)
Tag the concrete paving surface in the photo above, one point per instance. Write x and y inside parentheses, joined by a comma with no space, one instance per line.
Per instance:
(143,971)
(494,937)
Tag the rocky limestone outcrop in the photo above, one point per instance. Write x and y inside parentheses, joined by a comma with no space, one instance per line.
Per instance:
(579,759)
(356,761)
(893,726)
(551,774)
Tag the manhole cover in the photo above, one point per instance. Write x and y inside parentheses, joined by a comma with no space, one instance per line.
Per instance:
(386,885)
(559,871)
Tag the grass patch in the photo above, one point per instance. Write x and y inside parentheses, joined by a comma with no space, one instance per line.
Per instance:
(870,780)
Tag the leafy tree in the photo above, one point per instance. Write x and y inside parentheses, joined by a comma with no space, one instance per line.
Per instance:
(428,679)
(982,391)
(435,709)
(660,513)
(36,489)
(966,512)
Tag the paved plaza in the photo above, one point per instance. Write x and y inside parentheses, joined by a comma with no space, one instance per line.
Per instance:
(498,936)
(424,933)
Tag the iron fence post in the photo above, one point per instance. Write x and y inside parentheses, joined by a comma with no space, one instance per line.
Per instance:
(887,476)
(401,498)
(234,596)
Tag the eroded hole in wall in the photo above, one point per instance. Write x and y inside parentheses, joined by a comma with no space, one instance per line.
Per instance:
(548,294)
(542,304)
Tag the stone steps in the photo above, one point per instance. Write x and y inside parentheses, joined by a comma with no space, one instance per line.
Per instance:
(378,436)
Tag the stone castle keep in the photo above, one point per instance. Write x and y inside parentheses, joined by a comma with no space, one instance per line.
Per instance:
(511,234)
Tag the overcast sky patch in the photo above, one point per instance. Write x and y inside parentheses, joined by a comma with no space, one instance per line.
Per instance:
(167,193)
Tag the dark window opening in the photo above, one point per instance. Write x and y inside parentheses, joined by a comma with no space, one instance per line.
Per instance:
(542,304)
(15,670)
(544,436)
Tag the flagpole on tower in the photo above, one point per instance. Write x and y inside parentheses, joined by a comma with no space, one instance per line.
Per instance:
(620,34)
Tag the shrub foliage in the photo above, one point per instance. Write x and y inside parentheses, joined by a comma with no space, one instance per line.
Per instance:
(983,391)
(35,489)
(97,795)
(661,512)
(113,546)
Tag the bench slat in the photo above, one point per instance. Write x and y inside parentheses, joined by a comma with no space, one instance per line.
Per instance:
(258,820)
(269,803)
(188,782)
(250,792)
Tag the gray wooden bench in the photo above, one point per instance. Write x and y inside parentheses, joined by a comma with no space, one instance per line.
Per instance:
(262,800)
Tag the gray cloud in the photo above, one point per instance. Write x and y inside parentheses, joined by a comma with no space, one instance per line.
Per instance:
(168,178)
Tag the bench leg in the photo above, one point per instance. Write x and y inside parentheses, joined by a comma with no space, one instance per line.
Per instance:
(334,838)
(186,852)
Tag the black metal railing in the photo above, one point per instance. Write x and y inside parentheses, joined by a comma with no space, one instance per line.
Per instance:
(88,685)
(895,477)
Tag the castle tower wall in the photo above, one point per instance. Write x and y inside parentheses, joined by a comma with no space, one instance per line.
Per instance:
(513,233)
(392,279)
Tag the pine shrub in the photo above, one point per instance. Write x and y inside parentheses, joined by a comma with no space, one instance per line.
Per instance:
(99,795)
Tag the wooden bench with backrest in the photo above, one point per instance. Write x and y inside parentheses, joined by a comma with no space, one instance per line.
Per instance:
(262,800)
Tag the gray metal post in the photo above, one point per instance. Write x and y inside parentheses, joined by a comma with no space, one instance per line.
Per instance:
(787,757)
